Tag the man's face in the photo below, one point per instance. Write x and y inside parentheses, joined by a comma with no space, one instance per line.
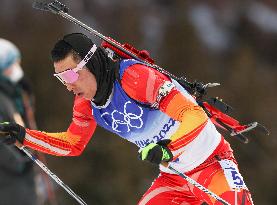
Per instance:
(86,84)
(14,72)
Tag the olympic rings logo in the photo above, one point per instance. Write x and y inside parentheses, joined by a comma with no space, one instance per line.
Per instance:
(125,120)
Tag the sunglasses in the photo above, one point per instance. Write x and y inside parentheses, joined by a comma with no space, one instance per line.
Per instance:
(71,75)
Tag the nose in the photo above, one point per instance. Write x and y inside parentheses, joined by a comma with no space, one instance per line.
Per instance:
(69,86)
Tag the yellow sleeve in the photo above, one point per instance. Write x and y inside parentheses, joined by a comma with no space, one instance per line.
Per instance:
(182,109)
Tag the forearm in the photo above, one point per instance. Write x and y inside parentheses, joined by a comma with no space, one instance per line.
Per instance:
(50,143)
(68,143)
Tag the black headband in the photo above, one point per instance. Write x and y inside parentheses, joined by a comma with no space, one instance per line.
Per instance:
(79,43)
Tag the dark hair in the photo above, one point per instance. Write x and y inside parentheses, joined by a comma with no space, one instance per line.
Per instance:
(61,50)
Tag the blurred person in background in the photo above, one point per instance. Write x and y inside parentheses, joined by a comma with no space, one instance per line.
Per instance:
(215,23)
(147,108)
(260,29)
(223,26)
(20,182)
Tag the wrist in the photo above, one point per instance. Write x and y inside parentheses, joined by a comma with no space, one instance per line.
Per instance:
(21,134)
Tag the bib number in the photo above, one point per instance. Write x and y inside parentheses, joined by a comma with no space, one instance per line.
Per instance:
(234,178)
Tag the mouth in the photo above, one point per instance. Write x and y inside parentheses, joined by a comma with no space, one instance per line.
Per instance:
(80,94)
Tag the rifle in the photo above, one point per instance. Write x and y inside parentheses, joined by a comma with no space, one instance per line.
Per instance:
(216,109)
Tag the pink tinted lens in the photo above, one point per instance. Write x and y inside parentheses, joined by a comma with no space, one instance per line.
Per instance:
(68,76)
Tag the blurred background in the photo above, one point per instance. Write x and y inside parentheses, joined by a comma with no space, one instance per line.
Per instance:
(227,41)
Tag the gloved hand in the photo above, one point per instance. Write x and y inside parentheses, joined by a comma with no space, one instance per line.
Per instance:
(156,152)
(10,132)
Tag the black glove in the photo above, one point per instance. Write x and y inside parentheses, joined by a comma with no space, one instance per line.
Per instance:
(156,152)
(10,132)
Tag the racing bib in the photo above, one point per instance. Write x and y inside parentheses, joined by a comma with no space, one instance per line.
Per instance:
(231,172)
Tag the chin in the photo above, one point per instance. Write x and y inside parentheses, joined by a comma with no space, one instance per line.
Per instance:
(87,97)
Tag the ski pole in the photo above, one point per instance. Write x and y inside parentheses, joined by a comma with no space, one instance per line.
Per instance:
(48,172)
(53,176)
(196,184)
